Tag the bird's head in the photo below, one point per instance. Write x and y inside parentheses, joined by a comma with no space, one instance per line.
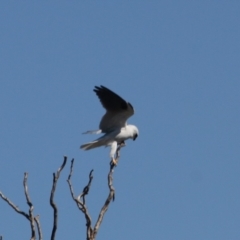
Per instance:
(135,131)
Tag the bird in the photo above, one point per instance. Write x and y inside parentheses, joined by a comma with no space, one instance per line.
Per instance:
(113,123)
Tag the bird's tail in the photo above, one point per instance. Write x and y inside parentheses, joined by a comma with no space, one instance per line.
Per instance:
(93,131)
(94,144)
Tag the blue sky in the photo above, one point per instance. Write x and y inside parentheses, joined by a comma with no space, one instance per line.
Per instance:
(177,62)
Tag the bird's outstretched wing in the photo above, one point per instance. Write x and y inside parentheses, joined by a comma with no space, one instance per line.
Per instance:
(117,109)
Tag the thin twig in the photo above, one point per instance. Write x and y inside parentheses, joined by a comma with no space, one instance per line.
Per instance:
(36,219)
(54,206)
(14,206)
(87,188)
(81,204)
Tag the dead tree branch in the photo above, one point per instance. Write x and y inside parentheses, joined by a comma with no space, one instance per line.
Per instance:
(36,219)
(80,199)
(52,203)
(111,195)
(30,217)
(14,206)
(30,212)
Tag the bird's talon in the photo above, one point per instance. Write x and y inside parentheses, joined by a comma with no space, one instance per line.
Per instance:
(114,162)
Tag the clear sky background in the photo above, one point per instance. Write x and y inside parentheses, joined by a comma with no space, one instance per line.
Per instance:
(176,62)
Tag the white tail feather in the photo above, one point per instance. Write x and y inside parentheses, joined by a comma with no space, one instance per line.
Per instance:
(93,132)
(90,145)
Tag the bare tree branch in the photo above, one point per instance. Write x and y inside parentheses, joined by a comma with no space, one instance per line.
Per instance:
(29,216)
(111,195)
(14,206)
(80,200)
(81,204)
(54,206)
(36,219)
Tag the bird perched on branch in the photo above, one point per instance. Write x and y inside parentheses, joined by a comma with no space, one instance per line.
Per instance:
(114,122)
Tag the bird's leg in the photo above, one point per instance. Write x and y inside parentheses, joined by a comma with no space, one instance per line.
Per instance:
(114,160)
(113,151)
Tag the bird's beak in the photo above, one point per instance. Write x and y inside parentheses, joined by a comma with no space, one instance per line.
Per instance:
(134,137)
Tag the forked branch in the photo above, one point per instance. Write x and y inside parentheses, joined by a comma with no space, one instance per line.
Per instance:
(30,217)
(80,199)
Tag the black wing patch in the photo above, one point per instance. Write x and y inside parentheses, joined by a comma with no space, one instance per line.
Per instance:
(110,100)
